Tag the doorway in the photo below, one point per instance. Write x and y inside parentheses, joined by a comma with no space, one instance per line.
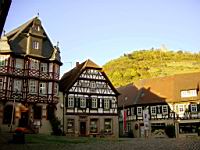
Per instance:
(82,128)
(23,121)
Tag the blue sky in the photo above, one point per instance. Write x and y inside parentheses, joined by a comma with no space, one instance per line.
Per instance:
(102,30)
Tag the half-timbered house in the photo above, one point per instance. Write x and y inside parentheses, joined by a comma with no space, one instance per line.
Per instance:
(90,101)
(172,100)
(29,76)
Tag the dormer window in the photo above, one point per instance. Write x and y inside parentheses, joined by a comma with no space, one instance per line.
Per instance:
(37,28)
(189,93)
(35,45)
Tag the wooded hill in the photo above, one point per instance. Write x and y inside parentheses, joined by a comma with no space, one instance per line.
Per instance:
(152,63)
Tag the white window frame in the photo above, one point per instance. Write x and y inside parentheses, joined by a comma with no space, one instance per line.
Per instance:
(17,85)
(42,88)
(128,111)
(165,109)
(139,111)
(36,45)
(43,67)
(32,86)
(83,102)
(94,102)
(106,103)
(70,102)
(193,107)
(153,110)
(189,93)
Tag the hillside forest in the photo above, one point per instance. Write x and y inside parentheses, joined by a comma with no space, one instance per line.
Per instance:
(143,64)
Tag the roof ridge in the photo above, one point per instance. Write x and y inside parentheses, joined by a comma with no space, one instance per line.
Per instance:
(17,30)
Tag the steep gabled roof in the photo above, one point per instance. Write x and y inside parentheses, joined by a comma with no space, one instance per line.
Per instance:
(15,32)
(160,90)
(18,41)
(69,78)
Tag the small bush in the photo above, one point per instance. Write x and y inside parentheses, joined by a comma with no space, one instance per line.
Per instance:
(55,123)
(170,131)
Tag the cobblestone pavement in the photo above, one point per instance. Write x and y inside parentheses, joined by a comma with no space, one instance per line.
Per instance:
(120,144)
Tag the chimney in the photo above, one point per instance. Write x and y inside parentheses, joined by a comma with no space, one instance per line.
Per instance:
(77,63)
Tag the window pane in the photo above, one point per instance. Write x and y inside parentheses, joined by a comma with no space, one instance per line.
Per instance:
(108,126)
(93,126)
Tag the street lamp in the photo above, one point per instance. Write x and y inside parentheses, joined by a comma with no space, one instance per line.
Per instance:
(13,110)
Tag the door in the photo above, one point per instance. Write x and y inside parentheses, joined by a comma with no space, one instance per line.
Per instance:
(23,121)
(82,128)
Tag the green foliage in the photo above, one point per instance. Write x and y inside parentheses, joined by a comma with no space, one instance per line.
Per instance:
(55,123)
(170,131)
(150,63)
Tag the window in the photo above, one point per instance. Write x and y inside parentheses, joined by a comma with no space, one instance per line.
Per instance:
(42,89)
(1,83)
(128,126)
(132,111)
(139,111)
(2,60)
(17,85)
(189,93)
(70,101)
(35,45)
(93,126)
(37,112)
(83,102)
(165,109)
(34,64)
(92,86)
(36,27)
(106,103)
(43,67)
(108,126)
(94,102)
(57,69)
(181,108)
(32,86)
(70,125)
(193,107)
(55,88)
(153,110)
(19,63)
(128,112)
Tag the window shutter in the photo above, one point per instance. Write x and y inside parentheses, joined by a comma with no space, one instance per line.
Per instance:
(102,103)
(161,109)
(135,110)
(78,102)
(189,107)
(198,107)
(98,102)
(66,102)
(88,103)
(110,103)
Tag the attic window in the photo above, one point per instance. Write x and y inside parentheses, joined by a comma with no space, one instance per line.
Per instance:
(35,45)
(36,27)
(189,93)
